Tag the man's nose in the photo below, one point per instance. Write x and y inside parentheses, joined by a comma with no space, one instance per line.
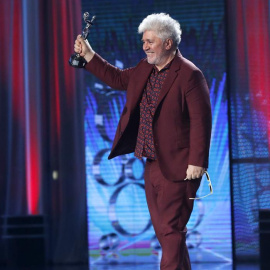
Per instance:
(145,47)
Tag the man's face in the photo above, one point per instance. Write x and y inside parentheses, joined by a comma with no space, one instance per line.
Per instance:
(155,48)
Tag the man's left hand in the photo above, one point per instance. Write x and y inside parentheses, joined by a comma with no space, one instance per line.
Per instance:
(194,172)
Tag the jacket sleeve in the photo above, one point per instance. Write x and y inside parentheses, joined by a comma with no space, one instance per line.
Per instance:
(114,77)
(199,107)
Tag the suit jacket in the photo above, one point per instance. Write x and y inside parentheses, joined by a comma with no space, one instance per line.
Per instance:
(182,120)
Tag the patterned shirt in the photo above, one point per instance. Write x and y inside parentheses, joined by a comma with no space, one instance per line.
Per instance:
(145,142)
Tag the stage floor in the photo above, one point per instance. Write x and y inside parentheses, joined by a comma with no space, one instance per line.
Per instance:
(201,266)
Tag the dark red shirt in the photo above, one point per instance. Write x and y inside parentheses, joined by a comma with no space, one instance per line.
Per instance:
(145,142)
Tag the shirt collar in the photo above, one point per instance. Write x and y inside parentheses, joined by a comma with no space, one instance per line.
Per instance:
(164,68)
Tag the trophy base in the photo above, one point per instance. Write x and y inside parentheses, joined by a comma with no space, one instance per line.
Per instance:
(77,61)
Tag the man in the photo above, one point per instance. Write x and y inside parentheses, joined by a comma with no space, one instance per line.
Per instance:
(167,119)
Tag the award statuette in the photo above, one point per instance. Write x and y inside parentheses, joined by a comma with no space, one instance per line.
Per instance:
(76,60)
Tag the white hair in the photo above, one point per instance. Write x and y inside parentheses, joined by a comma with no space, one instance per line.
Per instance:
(163,25)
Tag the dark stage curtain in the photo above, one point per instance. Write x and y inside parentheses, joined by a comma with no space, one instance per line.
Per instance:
(41,124)
(248,25)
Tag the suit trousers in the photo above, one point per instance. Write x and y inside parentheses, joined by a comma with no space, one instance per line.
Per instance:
(170,209)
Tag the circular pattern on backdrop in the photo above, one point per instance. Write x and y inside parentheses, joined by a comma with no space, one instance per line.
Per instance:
(109,242)
(103,169)
(131,209)
(134,169)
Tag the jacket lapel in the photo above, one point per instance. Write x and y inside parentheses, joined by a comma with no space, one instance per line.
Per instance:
(172,75)
(136,93)
(142,76)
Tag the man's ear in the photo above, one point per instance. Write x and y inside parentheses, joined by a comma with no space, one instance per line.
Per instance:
(168,44)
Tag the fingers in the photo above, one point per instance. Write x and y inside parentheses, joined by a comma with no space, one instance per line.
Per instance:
(194,172)
(78,45)
(190,176)
(83,48)
(77,48)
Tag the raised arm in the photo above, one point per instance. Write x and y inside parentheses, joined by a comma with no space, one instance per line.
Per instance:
(109,74)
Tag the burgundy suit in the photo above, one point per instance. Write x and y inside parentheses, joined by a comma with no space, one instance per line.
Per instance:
(182,122)
(181,133)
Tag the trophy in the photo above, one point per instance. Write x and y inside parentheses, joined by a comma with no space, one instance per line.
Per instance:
(76,60)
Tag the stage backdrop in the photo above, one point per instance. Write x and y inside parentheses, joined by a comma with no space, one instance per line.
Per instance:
(249,65)
(119,224)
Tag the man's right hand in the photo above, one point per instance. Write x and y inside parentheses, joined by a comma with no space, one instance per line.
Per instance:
(82,47)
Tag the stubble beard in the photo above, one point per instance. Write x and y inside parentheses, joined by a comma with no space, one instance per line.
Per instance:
(155,60)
